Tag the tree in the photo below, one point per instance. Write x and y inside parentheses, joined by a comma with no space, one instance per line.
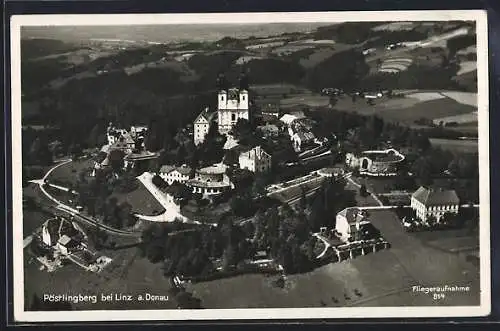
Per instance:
(229,258)
(303,199)
(362,191)
(39,152)
(116,162)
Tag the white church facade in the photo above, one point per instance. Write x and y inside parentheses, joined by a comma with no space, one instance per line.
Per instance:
(232,105)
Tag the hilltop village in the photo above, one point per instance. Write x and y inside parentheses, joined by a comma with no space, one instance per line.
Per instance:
(249,183)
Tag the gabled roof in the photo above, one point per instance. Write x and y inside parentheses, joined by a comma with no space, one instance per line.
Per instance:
(204,116)
(432,197)
(352,215)
(288,119)
(165,169)
(255,153)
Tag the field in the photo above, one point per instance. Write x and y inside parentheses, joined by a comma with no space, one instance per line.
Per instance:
(141,200)
(409,109)
(469,146)
(381,279)
(68,173)
(305,100)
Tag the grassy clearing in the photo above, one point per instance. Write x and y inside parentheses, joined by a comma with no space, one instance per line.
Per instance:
(69,171)
(141,200)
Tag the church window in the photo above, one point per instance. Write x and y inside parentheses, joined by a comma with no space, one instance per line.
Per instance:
(233,117)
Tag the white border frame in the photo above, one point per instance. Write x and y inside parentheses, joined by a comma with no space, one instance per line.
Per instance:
(479,16)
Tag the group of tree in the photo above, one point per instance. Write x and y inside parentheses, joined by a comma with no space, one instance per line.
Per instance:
(194,252)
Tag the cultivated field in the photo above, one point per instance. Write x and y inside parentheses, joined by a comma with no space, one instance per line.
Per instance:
(470,146)
(305,100)
(409,109)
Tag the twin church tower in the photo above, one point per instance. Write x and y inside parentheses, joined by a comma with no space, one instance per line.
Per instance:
(232,104)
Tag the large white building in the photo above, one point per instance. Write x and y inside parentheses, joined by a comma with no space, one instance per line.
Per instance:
(172,174)
(202,125)
(232,105)
(255,160)
(429,202)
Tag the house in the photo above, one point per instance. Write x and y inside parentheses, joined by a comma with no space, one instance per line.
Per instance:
(113,133)
(138,131)
(232,105)
(288,119)
(301,139)
(202,125)
(255,160)
(101,160)
(270,111)
(349,223)
(56,228)
(427,202)
(66,245)
(172,174)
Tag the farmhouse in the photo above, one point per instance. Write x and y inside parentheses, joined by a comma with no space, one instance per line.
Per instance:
(255,160)
(173,174)
(59,230)
(349,222)
(428,202)
(202,125)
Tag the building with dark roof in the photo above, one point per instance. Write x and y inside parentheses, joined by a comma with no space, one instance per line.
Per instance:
(56,229)
(428,202)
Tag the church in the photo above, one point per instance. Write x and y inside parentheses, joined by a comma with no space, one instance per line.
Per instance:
(232,104)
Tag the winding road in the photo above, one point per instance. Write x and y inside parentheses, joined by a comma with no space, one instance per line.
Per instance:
(59,205)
